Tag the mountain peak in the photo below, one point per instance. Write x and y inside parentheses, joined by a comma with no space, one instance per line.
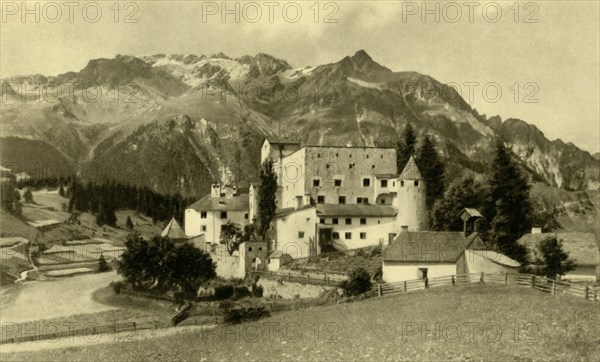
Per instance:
(362,55)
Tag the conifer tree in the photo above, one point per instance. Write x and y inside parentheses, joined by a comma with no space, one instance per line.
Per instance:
(508,205)
(432,169)
(405,147)
(267,203)
(129,223)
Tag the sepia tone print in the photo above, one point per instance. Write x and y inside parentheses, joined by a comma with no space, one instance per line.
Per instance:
(299,180)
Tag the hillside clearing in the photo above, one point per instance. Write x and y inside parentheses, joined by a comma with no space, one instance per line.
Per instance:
(488,322)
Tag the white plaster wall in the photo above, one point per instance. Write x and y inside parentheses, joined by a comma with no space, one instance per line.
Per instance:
(287,229)
(400,271)
(470,262)
(376,228)
(290,176)
(411,205)
(193,223)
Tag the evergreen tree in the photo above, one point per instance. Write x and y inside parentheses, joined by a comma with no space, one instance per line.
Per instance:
(550,260)
(463,192)
(508,205)
(129,223)
(432,169)
(61,191)
(267,203)
(102,264)
(405,147)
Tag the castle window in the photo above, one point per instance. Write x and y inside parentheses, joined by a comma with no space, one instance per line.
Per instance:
(363,221)
(300,234)
(382,201)
(383,183)
(335,235)
(348,221)
(222,194)
(348,236)
(337,182)
(350,155)
(363,235)
(249,248)
(366,182)
(260,248)
(246,216)
(203,214)
(334,221)
(342,199)
(416,183)
(350,166)
(373,166)
(203,228)
(320,199)
(367,156)
(322,221)
(223,214)
(401,183)
(336,155)
(318,155)
(316,183)
(327,166)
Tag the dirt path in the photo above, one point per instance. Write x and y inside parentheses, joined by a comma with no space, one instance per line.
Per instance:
(40,300)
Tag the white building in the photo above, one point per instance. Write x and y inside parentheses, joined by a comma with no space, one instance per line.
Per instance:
(208,215)
(295,232)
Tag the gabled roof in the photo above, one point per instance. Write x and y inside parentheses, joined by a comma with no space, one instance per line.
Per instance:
(470,212)
(355,210)
(427,246)
(233,203)
(411,171)
(582,248)
(173,230)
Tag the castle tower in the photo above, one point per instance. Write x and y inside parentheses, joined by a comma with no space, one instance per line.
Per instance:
(412,210)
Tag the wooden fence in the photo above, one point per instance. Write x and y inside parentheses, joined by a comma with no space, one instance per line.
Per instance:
(543,284)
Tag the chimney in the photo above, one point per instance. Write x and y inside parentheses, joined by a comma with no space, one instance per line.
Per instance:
(536,230)
(403,228)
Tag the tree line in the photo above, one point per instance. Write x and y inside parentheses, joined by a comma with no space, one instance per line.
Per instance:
(104,199)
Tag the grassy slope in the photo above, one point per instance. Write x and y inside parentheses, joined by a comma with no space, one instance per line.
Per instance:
(563,328)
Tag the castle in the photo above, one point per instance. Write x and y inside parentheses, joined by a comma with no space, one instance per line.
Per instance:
(343,197)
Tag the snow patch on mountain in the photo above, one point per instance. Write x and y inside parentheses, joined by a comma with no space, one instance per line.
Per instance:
(364,84)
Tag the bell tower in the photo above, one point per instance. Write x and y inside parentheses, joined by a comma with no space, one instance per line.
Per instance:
(412,210)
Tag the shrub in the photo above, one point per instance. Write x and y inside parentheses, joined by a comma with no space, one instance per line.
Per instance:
(223,292)
(241,292)
(257,291)
(103,265)
(116,286)
(240,314)
(359,281)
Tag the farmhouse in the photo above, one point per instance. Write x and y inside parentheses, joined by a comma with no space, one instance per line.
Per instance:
(582,249)
(210,213)
(431,254)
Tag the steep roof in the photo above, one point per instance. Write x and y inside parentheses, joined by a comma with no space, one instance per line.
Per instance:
(233,203)
(582,248)
(427,246)
(173,230)
(355,210)
(281,141)
(471,212)
(496,257)
(411,171)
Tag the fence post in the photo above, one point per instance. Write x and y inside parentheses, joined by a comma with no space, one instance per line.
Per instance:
(533,281)
(379,289)
(134,326)
(587,292)
(405,285)
(505,278)
(481,277)
(426,283)
(453,281)
(553,287)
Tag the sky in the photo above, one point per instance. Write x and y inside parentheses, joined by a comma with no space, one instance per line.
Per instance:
(536,61)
